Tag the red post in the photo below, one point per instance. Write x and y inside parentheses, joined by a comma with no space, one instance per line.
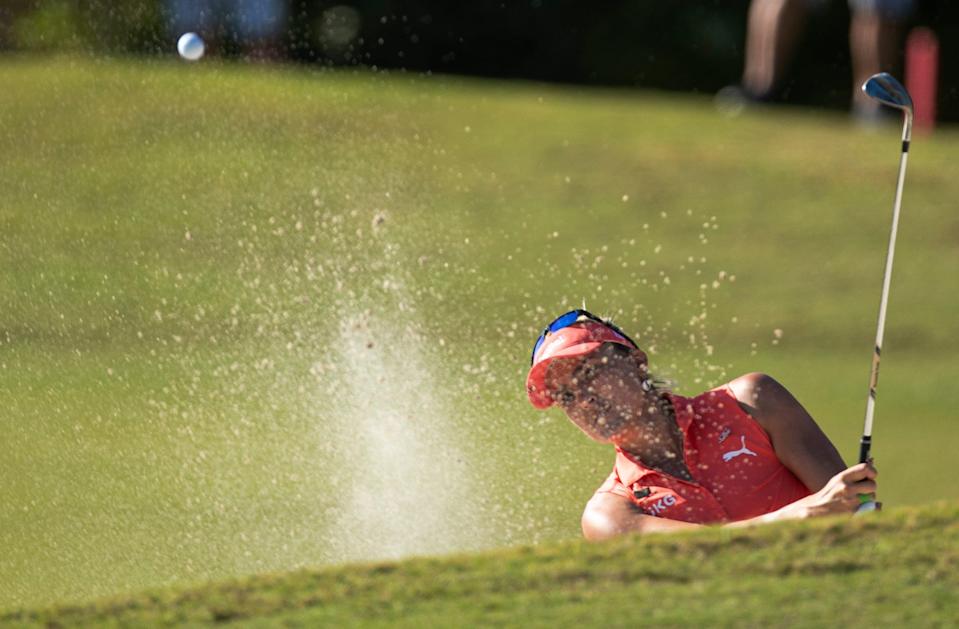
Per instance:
(922,76)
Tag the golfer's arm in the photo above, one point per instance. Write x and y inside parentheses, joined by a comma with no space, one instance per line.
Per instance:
(608,515)
(798,441)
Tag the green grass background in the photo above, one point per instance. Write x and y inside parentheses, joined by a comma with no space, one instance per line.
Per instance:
(898,568)
(257,319)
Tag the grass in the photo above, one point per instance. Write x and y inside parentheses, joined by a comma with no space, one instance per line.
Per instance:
(258,319)
(891,569)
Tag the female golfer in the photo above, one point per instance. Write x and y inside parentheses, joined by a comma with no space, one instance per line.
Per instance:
(744,453)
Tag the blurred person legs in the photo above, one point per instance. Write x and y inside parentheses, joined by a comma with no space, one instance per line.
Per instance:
(775,28)
(773,31)
(874,44)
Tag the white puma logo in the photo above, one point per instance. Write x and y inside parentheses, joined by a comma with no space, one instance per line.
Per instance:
(729,456)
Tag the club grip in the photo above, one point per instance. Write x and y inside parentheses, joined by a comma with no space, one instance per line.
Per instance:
(864,446)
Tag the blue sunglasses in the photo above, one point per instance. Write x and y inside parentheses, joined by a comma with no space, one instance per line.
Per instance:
(568,319)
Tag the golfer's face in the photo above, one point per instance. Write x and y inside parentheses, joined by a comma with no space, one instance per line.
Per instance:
(602,392)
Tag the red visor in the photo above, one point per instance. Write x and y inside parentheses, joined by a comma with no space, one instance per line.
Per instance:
(575,340)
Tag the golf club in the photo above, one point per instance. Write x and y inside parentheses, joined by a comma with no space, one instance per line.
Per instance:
(888,91)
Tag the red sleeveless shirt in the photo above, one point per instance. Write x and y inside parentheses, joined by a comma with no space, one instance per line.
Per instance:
(736,473)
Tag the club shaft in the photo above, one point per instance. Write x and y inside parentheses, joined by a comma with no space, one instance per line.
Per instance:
(866,442)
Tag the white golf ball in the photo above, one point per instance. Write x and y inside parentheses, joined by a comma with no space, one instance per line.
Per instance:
(190,46)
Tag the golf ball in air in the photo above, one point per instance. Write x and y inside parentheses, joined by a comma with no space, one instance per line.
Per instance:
(190,46)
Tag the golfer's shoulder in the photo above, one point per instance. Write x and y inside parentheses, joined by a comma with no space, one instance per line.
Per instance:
(761,395)
(752,385)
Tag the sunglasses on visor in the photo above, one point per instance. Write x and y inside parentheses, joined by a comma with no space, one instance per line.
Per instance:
(568,319)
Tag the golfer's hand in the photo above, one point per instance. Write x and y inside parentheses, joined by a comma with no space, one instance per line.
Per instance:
(841,493)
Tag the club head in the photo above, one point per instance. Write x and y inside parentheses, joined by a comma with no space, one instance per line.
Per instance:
(888,91)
